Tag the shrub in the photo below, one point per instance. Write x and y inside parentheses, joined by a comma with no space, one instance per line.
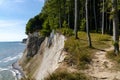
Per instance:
(65,25)
(66,31)
(78,55)
(82,26)
(66,76)
(111,55)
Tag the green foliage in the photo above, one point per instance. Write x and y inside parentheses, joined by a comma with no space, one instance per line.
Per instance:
(111,55)
(115,43)
(65,25)
(65,31)
(79,53)
(82,24)
(66,76)
(34,24)
(27,79)
(45,29)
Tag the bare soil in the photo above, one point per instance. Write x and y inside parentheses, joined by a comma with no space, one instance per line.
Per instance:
(101,68)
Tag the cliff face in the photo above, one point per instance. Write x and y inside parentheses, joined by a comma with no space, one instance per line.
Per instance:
(43,56)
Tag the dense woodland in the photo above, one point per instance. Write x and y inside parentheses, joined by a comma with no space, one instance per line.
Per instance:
(96,16)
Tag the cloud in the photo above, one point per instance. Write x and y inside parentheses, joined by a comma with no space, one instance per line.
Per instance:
(11,23)
(12,30)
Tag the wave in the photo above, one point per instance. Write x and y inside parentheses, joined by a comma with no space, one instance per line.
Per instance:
(10,58)
(2,73)
(15,73)
(2,69)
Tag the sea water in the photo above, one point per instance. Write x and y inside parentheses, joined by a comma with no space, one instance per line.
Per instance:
(10,52)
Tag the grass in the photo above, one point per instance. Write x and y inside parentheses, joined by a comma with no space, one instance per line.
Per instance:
(27,79)
(79,52)
(66,76)
(115,58)
(65,31)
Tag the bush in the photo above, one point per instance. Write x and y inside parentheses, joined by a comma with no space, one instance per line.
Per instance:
(83,24)
(66,76)
(78,55)
(27,79)
(65,25)
(111,55)
(66,31)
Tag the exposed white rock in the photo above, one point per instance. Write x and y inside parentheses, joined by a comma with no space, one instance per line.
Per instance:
(53,54)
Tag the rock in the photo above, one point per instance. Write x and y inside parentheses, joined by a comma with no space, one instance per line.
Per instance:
(24,40)
(33,44)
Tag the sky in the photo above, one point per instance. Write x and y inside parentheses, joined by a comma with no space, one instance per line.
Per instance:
(14,15)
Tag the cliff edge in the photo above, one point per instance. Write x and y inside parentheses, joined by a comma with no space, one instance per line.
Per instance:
(42,56)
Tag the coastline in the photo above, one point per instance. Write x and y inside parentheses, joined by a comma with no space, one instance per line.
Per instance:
(18,70)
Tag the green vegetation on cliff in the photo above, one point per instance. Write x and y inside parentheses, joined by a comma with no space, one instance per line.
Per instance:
(66,76)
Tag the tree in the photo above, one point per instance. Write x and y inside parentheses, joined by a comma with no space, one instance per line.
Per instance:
(34,24)
(59,6)
(76,20)
(115,26)
(87,27)
(95,16)
(103,15)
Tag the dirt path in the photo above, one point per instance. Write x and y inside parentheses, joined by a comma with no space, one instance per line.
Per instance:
(101,67)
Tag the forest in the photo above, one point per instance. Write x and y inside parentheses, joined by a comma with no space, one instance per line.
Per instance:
(98,20)
(99,16)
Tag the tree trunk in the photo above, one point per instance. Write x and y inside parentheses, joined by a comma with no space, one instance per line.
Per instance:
(103,31)
(87,27)
(110,26)
(69,16)
(115,26)
(106,24)
(64,7)
(76,20)
(95,16)
(60,23)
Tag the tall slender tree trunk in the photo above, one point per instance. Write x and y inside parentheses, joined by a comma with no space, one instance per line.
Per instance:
(64,6)
(115,26)
(103,31)
(76,20)
(69,16)
(60,23)
(95,16)
(110,26)
(106,24)
(87,27)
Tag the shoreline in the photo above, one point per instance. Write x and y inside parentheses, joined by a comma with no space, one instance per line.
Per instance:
(18,70)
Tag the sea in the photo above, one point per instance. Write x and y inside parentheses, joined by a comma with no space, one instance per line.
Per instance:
(10,52)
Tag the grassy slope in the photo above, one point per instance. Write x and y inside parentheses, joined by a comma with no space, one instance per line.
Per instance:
(80,54)
(114,58)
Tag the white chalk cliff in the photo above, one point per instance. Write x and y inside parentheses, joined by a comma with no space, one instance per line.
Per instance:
(43,55)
